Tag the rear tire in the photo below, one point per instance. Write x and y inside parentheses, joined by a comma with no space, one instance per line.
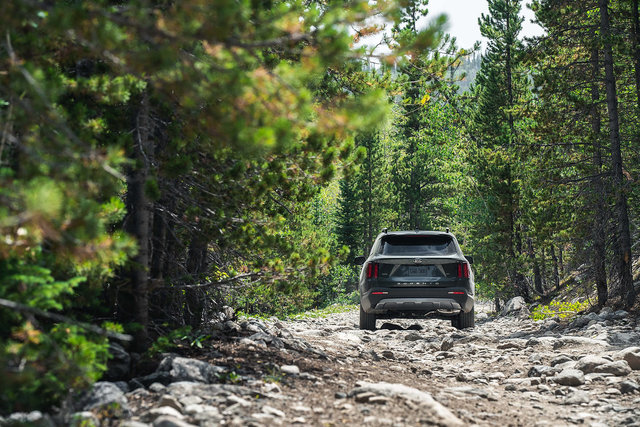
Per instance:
(464,320)
(367,321)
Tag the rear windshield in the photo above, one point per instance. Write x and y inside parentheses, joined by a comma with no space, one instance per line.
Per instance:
(418,245)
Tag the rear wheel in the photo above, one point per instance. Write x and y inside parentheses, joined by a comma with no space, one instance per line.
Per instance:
(367,321)
(464,320)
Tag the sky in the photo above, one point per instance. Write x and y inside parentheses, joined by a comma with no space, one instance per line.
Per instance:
(463,19)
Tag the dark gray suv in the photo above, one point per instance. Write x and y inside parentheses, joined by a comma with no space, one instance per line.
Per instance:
(410,274)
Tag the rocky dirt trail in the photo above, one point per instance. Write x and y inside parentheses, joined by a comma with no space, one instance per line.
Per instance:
(507,371)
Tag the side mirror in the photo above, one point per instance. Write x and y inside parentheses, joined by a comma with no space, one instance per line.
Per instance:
(359,260)
(469,258)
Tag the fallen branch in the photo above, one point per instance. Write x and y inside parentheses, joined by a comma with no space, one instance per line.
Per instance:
(216,283)
(60,318)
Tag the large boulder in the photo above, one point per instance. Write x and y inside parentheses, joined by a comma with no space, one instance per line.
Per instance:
(105,396)
(119,364)
(185,369)
(515,307)
(631,355)
(440,414)
(590,364)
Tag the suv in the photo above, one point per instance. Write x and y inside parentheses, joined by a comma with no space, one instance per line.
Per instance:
(410,274)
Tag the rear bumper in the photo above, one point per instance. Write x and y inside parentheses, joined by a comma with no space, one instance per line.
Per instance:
(416,300)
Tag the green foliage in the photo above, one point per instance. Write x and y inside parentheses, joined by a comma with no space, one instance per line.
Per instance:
(324,312)
(42,367)
(174,339)
(559,309)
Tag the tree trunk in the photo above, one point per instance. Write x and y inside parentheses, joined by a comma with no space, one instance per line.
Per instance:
(196,265)
(556,275)
(623,264)
(139,222)
(537,277)
(635,37)
(158,249)
(599,219)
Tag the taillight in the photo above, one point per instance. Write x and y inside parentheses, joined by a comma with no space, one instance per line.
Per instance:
(463,270)
(372,270)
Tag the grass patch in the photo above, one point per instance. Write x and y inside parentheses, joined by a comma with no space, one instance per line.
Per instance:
(323,312)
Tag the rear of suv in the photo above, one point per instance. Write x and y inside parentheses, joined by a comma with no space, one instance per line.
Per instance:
(410,274)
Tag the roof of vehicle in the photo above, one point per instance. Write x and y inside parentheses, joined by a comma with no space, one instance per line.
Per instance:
(415,233)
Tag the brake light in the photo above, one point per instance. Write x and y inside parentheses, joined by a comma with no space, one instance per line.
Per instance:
(463,270)
(372,270)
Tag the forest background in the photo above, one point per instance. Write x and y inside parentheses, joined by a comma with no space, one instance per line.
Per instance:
(160,160)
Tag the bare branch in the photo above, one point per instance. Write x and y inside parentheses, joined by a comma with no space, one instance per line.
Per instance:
(60,318)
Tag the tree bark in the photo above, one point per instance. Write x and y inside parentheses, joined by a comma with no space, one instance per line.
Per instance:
(139,222)
(635,37)
(537,277)
(623,264)
(599,219)
(556,275)
(196,265)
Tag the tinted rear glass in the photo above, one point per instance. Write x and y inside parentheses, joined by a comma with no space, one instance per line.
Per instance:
(418,245)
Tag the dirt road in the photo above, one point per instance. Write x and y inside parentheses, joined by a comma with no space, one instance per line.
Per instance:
(325,371)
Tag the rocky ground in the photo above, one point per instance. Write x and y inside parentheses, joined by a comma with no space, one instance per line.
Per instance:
(507,371)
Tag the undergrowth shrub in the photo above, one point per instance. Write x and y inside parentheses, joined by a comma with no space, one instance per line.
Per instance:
(41,362)
(560,309)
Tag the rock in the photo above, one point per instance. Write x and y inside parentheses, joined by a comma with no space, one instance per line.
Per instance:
(168,400)
(273,411)
(272,388)
(169,421)
(631,355)
(196,408)
(340,395)
(157,387)
(540,370)
(184,369)
(412,336)
(232,327)
(619,368)
(154,413)
(425,400)
(515,306)
(588,364)
(624,338)
(388,354)
(379,400)
(512,344)
(122,386)
(571,377)
(573,340)
(236,400)
(228,313)
(267,339)
(118,364)
(561,358)
(103,395)
(364,397)
(446,344)
(290,369)
(30,419)
(620,314)
(629,387)
(583,321)
(132,423)
(160,377)
(577,397)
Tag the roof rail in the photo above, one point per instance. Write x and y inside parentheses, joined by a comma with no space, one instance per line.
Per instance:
(448,230)
(385,230)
